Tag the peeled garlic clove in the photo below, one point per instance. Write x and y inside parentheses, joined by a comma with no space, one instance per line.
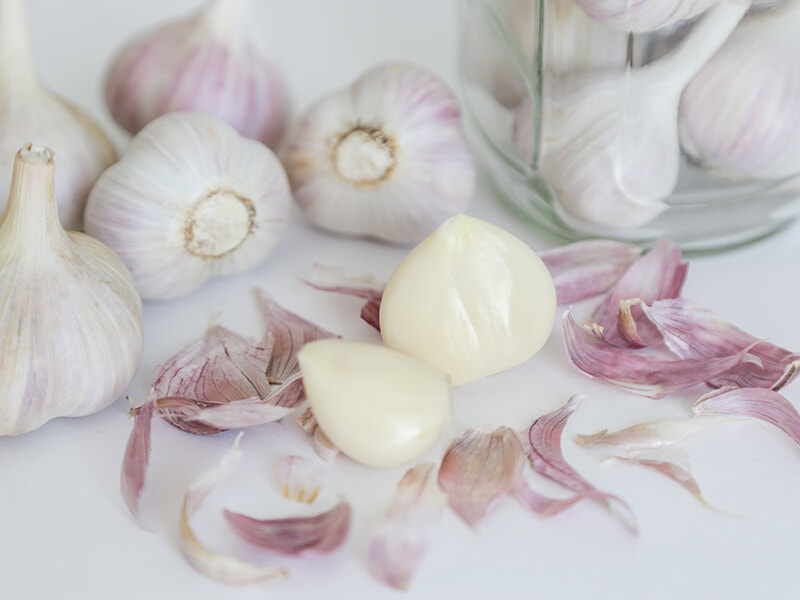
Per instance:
(29,111)
(378,406)
(190,200)
(70,327)
(471,300)
(210,62)
(384,158)
(643,15)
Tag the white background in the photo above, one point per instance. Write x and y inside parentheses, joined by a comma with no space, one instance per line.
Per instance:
(65,533)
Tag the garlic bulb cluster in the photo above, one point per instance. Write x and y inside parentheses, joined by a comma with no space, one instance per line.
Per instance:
(643,15)
(70,324)
(29,111)
(190,199)
(741,112)
(384,158)
(211,62)
(380,407)
(471,300)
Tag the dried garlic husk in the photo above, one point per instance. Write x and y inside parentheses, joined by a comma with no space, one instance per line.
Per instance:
(191,199)
(384,158)
(29,111)
(210,62)
(471,300)
(70,327)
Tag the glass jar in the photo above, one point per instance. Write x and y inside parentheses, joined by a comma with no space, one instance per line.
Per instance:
(638,120)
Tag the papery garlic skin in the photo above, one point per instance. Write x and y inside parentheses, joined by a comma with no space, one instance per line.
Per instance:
(70,317)
(211,61)
(640,16)
(29,111)
(380,407)
(191,199)
(385,158)
(471,300)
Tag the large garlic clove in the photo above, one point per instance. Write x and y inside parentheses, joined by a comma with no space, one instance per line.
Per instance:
(643,15)
(380,407)
(29,111)
(70,326)
(384,158)
(741,112)
(191,199)
(471,300)
(209,62)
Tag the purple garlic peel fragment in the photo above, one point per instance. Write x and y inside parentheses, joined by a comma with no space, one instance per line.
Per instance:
(400,540)
(651,435)
(136,458)
(323,446)
(333,279)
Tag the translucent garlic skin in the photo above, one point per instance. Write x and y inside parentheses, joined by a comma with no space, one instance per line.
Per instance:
(471,300)
(208,62)
(641,16)
(380,407)
(385,158)
(191,199)
(70,316)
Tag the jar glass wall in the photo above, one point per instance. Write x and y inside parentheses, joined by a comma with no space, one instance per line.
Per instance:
(638,120)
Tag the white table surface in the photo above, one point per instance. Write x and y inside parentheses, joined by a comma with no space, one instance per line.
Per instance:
(65,532)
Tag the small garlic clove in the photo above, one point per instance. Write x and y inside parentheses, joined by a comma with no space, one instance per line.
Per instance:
(384,158)
(378,406)
(212,62)
(190,200)
(471,300)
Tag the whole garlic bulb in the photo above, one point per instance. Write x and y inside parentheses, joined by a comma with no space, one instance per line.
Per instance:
(641,16)
(384,158)
(210,62)
(741,112)
(70,327)
(29,111)
(190,199)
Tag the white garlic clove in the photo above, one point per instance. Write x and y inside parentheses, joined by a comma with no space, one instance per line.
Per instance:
(211,62)
(70,328)
(643,15)
(380,407)
(29,111)
(471,300)
(384,158)
(191,199)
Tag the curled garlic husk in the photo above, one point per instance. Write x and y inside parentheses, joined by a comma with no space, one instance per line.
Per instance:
(380,407)
(643,15)
(609,147)
(211,61)
(471,300)
(29,111)
(741,112)
(384,158)
(70,327)
(190,199)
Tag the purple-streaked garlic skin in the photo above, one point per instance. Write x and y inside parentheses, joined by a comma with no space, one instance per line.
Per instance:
(136,459)
(208,62)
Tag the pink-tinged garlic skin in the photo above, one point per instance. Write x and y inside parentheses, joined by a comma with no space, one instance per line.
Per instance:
(384,158)
(209,62)
(639,16)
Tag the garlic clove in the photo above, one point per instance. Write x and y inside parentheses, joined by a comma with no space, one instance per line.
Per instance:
(384,158)
(210,62)
(190,200)
(71,323)
(471,300)
(378,406)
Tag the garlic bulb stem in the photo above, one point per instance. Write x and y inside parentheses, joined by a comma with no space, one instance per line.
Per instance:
(364,155)
(226,18)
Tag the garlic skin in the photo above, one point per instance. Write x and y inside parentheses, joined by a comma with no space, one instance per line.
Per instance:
(191,199)
(70,317)
(471,300)
(211,61)
(385,158)
(29,111)
(380,407)
(741,113)
(641,16)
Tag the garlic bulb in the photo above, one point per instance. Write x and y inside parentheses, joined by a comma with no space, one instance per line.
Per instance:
(610,147)
(741,112)
(384,158)
(643,15)
(190,199)
(380,407)
(70,322)
(471,300)
(29,111)
(209,62)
